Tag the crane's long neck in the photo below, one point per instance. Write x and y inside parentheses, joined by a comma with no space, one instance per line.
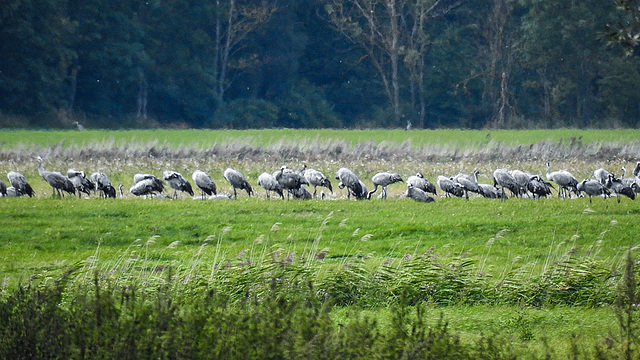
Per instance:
(624,172)
(40,167)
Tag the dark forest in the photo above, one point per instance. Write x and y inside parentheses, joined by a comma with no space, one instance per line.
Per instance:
(319,64)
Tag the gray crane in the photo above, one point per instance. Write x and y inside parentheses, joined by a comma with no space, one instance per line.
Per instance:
(80,181)
(301,193)
(237,181)
(204,182)
(601,175)
(156,183)
(636,170)
(353,184)
(617,187)
(449,186)
(631,182)
(103,185)
(350,191)
(56,180)
(538,187)
(593,188)
(20,184)
(3,189)
(316,178)
(144,187)
(269,183)
(522,178)
(417,194)
(565,180)
(177,182)
(502,179)
(469,183)
(421,183)
(383,179)
(491,192)
(289,180)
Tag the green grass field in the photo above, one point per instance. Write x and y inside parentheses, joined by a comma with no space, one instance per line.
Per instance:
(503,241)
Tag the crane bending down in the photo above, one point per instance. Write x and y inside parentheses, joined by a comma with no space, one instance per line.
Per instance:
(269,184)
(353,184)
(157,185)
(204,182)
(290,180)
(103,184)
(417,194)
(20,184)
(80,181)
(56,180)
(177,182)
(502,178)
(237,181)
(421,183)
(383,179)
(593,188)
(449,186)
(315,178)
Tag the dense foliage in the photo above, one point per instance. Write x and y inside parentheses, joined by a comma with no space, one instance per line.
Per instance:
(317,63)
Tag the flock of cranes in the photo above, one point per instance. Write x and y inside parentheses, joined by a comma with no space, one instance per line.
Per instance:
(296,184)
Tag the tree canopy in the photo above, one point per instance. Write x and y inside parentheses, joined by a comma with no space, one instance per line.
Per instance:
(319,63)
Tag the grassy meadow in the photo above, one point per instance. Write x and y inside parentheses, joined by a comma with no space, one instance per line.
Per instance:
(528,271)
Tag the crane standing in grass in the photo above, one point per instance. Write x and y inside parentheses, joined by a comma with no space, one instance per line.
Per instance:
(103,185)
(237,181)
(269,184)
(565,180)
(383,179)
(20,184)
(204,182)
(177,182)
(56,180)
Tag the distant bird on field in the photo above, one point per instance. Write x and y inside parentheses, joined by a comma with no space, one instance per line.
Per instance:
(417,194)
(383,179)
(491,192)
(502,179)
(538,187)
(177,182)
(601,175)
(80,181)
(565,180)
(421,183)
(593,188)
(468,183)
(237,181)
(353,184)
(78,126)
(289,180)
(269,183)
(636,170)
(56,180)
(144,187)
(19,184)
(628,181)
(103,185)
(615,185)
(522,179)
(157,185)
(315,178)
(449,186)
(204,182)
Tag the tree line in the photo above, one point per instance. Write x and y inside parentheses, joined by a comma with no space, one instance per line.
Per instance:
(319,63)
